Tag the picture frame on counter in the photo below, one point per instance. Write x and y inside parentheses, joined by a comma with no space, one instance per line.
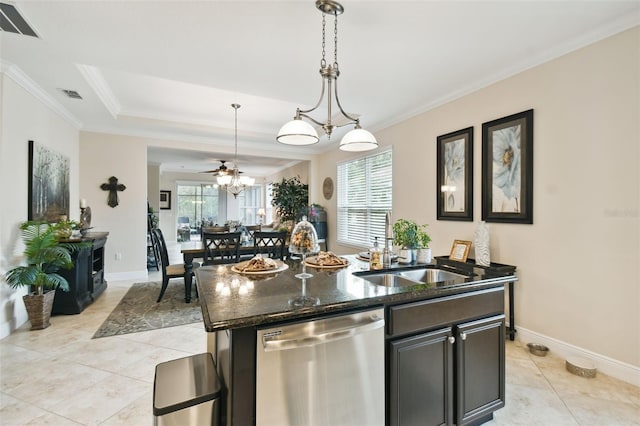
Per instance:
(165,200)
(507,169)
(455,176)
(460,250)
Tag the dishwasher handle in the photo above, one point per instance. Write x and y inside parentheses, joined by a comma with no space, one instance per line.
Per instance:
(275,343)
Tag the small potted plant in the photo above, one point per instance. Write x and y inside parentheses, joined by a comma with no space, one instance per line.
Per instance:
(44,255)
(408,235)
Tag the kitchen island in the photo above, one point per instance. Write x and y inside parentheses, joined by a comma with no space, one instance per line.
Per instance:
(437,335)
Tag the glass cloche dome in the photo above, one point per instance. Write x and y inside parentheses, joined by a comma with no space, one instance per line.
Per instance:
(304,239)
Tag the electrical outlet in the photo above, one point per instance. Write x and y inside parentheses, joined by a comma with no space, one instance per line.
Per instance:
(118,256)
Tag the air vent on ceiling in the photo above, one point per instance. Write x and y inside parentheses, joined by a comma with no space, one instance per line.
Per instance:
(11,21)
(71,93)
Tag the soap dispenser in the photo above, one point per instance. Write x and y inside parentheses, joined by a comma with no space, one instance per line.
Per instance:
(375,255)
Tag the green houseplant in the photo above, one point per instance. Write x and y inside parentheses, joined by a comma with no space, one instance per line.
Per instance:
(288,197)
(408,235)
(45,255)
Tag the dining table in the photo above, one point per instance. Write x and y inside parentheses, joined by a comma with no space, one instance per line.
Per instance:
(195,250)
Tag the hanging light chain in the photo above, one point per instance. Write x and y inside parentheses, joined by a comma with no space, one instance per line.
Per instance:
(335,41)
(323,63)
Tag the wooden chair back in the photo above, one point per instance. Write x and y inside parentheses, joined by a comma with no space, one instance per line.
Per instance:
(252,229)
(272,244)
(221,247)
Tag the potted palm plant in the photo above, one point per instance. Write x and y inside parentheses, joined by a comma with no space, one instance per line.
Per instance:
(45,255)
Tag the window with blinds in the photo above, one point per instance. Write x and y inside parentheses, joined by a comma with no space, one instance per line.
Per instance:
(364,194)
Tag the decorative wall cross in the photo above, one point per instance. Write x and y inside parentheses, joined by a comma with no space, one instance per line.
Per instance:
(113,187)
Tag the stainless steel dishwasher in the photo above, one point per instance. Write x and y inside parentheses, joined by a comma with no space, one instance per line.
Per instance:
(328,371)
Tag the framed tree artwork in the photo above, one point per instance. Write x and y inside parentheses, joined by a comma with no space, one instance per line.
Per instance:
(48,184)
(455,175)
(507,169)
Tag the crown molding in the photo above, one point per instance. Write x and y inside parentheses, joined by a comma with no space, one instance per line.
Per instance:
(97,82)
(23,80)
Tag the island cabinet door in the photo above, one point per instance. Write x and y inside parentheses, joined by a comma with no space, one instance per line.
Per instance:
(421,379)
(480,369)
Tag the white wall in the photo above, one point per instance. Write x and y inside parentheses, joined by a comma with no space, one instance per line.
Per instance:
(124,157)
(24,118)
(578,262)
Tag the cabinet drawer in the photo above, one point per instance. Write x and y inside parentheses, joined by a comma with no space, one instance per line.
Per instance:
(98,278)
(429,314)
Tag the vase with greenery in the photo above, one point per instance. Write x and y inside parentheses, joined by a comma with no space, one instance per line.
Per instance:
(288,197)
(45,255)
(408,235)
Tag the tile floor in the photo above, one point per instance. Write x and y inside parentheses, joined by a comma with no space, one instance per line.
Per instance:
(60,376)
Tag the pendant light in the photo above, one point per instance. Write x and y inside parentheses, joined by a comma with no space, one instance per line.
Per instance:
(232,182)
(299,132)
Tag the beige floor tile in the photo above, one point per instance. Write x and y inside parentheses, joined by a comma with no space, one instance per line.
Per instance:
(532,406)
(101,401)
(14,412)
(592,411)
(522,371)
(139,412)
(145,368)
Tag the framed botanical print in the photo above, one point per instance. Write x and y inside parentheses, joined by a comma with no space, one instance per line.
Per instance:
(455,175)
(507,169)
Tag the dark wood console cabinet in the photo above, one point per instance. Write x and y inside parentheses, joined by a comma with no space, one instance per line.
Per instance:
(86,278)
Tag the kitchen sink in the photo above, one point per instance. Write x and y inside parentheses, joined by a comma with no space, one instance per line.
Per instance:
(432,275)
(390,280)
(413,277)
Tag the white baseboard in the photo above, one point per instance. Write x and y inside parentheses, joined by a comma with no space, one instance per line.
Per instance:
(614,368)
(125,276)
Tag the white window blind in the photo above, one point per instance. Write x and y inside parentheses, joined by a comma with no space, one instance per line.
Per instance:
(364,197)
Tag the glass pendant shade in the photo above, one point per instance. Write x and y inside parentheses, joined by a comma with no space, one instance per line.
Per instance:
(247,181)
(297,132)
(358,140)
(224,180)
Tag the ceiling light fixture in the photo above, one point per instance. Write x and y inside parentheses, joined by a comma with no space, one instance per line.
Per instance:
(298,132)
(232,182)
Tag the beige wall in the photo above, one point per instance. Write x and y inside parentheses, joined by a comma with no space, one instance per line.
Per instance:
(300,170)
(153,187)
(578,262)
(124,157)
(25,118)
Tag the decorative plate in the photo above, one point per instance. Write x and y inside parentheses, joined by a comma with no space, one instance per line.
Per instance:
(312,261)
(237,268)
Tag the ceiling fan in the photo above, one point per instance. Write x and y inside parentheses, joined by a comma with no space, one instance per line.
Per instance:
(220,171)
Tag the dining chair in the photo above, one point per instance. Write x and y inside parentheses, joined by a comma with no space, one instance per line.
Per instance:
(213,230)
(252,229)
(221,247)
(168,271)
(270,243)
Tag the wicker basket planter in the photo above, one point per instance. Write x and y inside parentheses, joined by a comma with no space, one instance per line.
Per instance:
(39,309)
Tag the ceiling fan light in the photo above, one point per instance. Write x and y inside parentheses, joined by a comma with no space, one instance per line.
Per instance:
(297,132)
(358,140)
(246,180)
(223,180)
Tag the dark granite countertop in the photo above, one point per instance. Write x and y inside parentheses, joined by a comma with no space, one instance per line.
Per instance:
(230,300)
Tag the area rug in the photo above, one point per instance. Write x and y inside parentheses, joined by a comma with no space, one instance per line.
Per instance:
(138,310)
